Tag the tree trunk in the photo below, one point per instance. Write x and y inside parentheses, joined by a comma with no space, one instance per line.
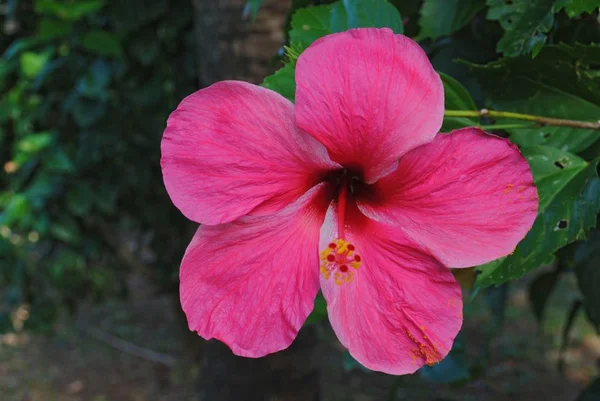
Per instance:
(232,46)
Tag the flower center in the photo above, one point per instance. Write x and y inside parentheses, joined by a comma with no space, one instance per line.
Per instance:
(340,258)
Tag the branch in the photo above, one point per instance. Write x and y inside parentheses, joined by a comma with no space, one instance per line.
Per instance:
(540,121)
(130,348)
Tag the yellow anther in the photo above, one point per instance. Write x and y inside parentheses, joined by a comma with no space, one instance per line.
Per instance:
(339,258)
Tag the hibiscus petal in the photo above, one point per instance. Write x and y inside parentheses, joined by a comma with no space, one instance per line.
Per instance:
(468,197)
(402,309)
(252,283)
(369,96)
(233,148)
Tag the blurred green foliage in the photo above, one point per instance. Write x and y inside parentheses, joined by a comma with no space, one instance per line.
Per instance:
(85,90)
(86,87)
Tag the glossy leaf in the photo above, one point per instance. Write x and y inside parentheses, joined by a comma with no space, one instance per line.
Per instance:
(311,23)
(441,18)
(569,201)
(456,97)
(560,82)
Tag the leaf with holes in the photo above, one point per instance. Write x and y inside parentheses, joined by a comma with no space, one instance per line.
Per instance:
(561,82)
(525,23)
(441,18)
(312,23)
(569,192)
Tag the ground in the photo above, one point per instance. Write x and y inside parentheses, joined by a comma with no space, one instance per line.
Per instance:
(86,359)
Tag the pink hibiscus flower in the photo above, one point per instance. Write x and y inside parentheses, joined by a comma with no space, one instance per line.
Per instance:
(350,191)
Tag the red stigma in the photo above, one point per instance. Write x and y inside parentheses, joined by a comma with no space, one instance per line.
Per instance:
(357,258)
(343,268)
(350,247)
(331,258)
(332,245)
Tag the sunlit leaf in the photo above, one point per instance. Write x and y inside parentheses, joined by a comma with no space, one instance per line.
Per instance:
(32,63)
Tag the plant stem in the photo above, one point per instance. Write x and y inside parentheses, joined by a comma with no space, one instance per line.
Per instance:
(539,120)
(507,126)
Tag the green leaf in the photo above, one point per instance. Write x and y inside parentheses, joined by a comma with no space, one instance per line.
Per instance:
(584,258)
(525,22)
(282,82)
(33,143)
(319,312)
(456,97)
(59,162)
(441,18)
(102,43)
(367,14)
(309,24)
(51,28)
(569,202)
(70,10)
(559,83)
(576,7)
(540,290)
(80,199)
(66,229)
(17,208)
(32,63)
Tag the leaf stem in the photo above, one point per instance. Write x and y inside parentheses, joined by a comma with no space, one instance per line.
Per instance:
(539,120)
(507,126)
